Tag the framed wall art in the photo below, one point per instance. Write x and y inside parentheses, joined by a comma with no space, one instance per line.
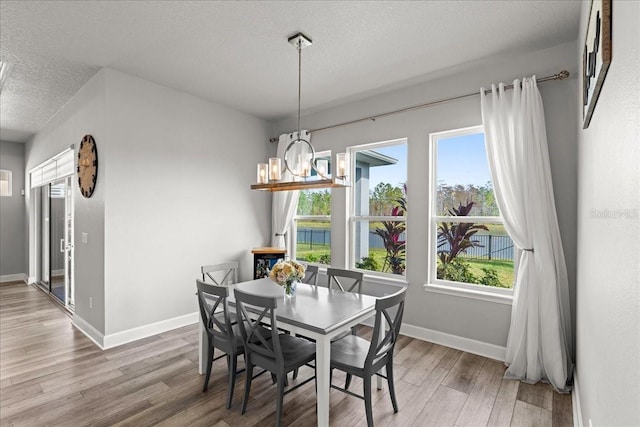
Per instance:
(596,56)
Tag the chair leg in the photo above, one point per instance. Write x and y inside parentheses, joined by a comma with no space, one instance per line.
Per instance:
(232,379)
(274,379)
(367,400)
(347,382)
(247,384)
(209,364)
(392,389)
(280,397)
(295,373)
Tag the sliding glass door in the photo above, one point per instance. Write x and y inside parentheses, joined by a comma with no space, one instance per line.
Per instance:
(56,240)
(44,237)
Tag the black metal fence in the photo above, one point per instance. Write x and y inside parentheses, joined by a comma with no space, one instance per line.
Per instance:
(492,246)
(314,236)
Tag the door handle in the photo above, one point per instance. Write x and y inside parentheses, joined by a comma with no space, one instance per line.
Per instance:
(61,245)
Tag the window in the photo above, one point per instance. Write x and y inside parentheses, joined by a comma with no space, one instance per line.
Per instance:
(6,183)
(312,224)
(469,246)
(378,206)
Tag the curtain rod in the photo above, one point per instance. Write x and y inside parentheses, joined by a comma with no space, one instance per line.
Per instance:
(560,76)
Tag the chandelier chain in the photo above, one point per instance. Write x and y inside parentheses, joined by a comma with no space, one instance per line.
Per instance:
(299,82)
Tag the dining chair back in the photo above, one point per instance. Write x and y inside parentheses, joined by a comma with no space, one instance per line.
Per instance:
(356,356)
(345,280)
(217,322)
(281,354)
(220,274)
(391,323)
(311,275)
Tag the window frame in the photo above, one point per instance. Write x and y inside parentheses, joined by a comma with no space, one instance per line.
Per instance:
(293,229)
(448,287)
(352,218)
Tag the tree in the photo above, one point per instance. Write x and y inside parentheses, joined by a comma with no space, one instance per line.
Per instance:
(383,198)
(487,199)
(454,195)
(314,202)
(321,202)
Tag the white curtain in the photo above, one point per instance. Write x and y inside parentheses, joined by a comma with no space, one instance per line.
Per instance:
(539,342)
(284,203)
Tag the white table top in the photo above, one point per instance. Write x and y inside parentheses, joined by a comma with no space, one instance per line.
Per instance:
(313,308)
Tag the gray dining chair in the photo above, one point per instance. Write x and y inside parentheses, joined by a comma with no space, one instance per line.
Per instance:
(220,332)
(311,275)
(279,355)
(357,356)
(222,274)
(345,280)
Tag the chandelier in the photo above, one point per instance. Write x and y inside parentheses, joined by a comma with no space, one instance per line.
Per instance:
(300,157)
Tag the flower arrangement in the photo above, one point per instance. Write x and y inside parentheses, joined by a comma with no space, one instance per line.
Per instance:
(286,274)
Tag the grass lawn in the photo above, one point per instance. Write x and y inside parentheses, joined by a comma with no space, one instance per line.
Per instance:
(504,269)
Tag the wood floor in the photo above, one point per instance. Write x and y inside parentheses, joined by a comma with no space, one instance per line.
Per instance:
(51,374)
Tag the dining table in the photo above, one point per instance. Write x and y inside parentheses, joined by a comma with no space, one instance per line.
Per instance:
(314,311)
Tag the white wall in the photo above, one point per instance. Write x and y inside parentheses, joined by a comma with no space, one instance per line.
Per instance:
(13,257)
(83,114)
(482,321)
(177,177)
(172,194)
(608,275)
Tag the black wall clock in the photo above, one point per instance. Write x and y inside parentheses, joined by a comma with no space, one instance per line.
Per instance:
(87,166)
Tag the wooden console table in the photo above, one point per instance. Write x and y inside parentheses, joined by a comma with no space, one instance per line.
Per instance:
(264,259)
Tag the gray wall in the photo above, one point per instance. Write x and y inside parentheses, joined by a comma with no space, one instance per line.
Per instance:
(83,114)
(172,194)
(608,334)
(13,255)
(483,321)
(178,171)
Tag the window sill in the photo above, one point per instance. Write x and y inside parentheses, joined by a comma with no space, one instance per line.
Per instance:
(479,294)
(374,278)
(381,280)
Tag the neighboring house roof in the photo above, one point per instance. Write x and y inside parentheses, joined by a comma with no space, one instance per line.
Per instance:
(373,158)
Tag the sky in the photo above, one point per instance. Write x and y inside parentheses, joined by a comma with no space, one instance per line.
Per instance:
(395,174)
(461,160)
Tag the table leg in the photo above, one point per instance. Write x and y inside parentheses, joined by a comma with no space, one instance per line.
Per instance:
(323,363)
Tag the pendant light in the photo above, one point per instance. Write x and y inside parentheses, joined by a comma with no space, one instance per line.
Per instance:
(300,156)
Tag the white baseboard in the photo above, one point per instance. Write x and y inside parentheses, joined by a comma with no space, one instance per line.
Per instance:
(460,343)
(575,401)
(123,337)
(31,280)
(86,328)
(119,338)
(13,278)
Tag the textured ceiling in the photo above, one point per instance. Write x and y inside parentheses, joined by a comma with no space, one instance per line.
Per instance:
(236,53)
